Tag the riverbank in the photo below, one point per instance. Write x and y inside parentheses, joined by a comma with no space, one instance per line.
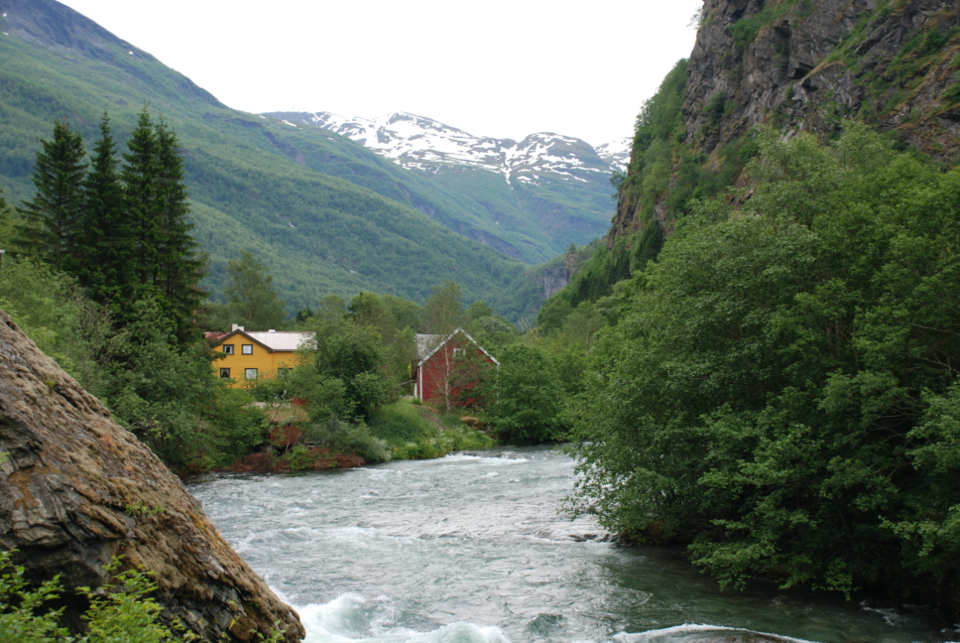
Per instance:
(407,430)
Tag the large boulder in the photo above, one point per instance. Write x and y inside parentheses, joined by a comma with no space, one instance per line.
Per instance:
(77,489)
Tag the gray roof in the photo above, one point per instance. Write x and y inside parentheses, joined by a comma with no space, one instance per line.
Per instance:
(426,344)
(281,341)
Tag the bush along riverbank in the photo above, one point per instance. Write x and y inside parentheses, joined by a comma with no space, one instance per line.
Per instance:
(404,430)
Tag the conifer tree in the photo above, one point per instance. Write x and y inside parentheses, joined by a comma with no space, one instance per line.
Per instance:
(179,268)
(105,242)
(141,179)
(51,219)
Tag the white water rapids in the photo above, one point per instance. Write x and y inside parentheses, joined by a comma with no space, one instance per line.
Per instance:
(472,549)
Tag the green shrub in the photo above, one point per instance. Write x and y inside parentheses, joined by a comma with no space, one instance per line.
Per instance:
(120,611)
(413,432)
(343,437)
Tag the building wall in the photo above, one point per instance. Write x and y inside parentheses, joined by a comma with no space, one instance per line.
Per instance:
(261,359)
(432,374)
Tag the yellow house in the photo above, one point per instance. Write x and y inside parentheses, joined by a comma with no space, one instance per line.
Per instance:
(256,355)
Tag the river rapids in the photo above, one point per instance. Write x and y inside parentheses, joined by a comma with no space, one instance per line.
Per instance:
(476,549)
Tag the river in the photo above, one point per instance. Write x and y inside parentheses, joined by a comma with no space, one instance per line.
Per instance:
(472,549)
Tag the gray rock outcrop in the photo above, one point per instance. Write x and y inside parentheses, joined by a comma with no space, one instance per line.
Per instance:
(807,65)
(77,489)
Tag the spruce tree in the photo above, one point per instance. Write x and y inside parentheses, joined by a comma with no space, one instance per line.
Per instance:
(52,218)
(141,180)
(105,242)
(179,267)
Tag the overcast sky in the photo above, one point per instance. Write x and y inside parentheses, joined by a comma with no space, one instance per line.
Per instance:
(502,68)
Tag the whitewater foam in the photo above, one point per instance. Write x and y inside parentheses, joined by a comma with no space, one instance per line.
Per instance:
(351,618)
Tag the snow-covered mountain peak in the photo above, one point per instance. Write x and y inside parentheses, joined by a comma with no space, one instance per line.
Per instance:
(423,143)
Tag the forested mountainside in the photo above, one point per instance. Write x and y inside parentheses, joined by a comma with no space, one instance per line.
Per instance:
(550,188)
(791,65)
(324,214)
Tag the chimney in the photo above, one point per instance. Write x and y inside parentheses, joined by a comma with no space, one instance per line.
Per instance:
(236,327)
(271,331)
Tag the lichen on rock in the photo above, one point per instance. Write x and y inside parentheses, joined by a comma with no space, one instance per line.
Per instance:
(77,489)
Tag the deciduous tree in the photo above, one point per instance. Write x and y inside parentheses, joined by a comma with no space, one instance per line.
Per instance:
(252,300)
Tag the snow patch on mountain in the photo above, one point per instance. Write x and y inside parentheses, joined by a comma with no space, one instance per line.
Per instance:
(616,152)
(425,144)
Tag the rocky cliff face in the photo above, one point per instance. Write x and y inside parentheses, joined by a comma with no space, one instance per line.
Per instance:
(804,65)
(76,489)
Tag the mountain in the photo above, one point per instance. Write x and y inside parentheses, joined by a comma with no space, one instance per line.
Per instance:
(616,153)
(326,215)
(790,65)
(551,185)
(804,66)
(423,143)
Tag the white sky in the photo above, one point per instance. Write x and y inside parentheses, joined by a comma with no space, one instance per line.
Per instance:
(501,68)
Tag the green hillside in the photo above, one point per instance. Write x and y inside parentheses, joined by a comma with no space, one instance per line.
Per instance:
(325,215)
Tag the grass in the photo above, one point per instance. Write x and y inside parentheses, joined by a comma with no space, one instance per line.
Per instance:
(417,432)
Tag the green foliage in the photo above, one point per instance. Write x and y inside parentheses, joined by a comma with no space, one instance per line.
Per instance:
(252,301)
(24,615)
(345,366)
(952,94)
(169,398)
(781,392)
(412,431)
(528,396)
(105,242)
(443,311)
(165,394)
(52,219)
(745,30)
(345,437)
(120,611)
(399,344)
(123,611)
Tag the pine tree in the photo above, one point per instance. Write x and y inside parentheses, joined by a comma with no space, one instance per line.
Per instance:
(105,243)
(179,267)
(51,220)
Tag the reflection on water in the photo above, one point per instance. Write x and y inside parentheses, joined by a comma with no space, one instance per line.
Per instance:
(471,548)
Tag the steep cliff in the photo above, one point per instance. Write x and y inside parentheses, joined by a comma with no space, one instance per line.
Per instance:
(800,65)
(76,489)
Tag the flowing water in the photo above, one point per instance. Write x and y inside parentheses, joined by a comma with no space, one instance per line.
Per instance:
(472,549)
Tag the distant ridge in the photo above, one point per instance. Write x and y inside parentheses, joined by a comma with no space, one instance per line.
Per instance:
(324,214)
(548,185)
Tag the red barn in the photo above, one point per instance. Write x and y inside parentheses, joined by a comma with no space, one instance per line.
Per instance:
(446,366)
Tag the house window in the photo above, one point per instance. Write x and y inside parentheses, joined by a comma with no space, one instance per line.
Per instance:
(246,349)
(228,349)
(251,373)
(225,373)
(459,353)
